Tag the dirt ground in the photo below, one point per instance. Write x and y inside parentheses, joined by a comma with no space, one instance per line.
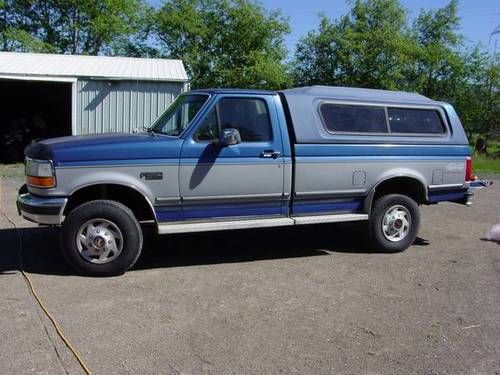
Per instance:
(306,300)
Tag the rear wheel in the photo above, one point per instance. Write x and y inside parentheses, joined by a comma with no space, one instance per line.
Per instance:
(394,223)
(101,238)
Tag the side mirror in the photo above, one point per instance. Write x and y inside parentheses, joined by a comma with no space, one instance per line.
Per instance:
(229,137)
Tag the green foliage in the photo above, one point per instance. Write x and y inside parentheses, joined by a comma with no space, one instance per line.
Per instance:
(478,99)
(225,43)
(20,40)
(369,47)
(67,26)
(12,170)
(375,46)
(438,66)
(138,44)
(483,164)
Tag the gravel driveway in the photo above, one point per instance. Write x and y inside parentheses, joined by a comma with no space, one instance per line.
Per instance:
(307,300)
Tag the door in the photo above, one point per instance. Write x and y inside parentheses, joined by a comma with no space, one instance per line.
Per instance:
(237,181)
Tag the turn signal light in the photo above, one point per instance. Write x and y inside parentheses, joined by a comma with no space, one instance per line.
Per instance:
(43,182)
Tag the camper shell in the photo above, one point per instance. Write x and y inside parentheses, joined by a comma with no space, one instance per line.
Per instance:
(304,106)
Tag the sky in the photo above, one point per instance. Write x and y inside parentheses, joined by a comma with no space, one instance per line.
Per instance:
(478,17)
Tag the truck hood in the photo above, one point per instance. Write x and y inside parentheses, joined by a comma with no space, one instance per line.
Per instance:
(105,147)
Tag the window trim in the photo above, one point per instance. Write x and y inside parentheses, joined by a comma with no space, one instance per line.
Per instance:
(347,132)
(193,120)
(198,126)
(215,105)
(443,123)
(386,105)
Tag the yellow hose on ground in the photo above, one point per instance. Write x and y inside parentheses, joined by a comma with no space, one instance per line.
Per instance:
(29,282)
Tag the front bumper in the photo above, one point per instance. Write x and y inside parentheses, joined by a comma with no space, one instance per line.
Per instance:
(41,210)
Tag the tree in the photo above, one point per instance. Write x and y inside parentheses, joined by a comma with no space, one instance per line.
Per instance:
(225,43)
(478,99)
(141,43)
(15,31)
(369,47)
(374,46)
(67,26)
(439,65)
(445,70)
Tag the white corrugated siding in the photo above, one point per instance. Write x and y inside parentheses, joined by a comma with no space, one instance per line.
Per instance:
(120,106)
(53,65)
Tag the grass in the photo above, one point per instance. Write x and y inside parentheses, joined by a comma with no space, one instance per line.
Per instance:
(12,170)
(488,164)
(483,164)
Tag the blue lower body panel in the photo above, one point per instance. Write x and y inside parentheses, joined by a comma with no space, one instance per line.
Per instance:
(319,206)
(447,195)
(219,210)
(206,211)
(168,213)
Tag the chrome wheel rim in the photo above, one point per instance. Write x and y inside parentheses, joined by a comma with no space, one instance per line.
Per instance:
(396,223)
(99,241)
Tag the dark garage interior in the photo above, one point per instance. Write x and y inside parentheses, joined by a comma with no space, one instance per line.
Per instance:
(32,110)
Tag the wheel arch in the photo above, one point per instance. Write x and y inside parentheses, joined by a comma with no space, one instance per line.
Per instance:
(410,185)
(128,195)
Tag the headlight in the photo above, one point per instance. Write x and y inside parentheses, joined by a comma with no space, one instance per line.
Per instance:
(40,173)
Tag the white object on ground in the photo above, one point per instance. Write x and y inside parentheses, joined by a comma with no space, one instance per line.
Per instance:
(494,233)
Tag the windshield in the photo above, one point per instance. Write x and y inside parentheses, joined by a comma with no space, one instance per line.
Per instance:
(179,114)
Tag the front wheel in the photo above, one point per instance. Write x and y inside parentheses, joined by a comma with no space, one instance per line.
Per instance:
(101,238)
(394,223)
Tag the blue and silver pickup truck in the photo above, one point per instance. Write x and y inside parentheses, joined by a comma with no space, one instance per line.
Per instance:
(230,159)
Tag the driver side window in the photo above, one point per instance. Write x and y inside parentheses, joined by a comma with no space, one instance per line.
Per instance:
(250,116)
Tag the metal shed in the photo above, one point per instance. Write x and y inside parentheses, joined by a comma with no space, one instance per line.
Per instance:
(69,94)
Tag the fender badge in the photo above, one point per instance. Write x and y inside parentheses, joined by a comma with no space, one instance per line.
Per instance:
(151,175)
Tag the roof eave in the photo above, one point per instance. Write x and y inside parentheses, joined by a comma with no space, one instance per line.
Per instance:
(68,78)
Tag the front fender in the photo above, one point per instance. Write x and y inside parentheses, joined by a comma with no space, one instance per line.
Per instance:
(110,177)
(72,179)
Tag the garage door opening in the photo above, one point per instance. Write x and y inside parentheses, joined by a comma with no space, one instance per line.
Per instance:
(32,110)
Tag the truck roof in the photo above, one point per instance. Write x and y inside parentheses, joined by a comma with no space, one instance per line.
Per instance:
(358,94)
(303,104)
(234,91)
(333,92)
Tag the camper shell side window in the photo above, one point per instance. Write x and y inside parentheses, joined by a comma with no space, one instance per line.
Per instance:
(382,119)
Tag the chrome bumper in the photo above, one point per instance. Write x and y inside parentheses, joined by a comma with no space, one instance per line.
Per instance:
(473,186)
(41,210)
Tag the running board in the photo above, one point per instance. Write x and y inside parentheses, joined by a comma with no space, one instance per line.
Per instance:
(318,219)
(168,228)
(223,225)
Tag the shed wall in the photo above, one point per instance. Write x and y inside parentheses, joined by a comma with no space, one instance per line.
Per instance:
(120,106)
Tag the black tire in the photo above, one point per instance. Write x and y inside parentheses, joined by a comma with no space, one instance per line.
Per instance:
(378,241)
(114,212)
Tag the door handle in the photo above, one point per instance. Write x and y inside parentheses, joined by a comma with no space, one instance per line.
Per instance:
(270,154)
